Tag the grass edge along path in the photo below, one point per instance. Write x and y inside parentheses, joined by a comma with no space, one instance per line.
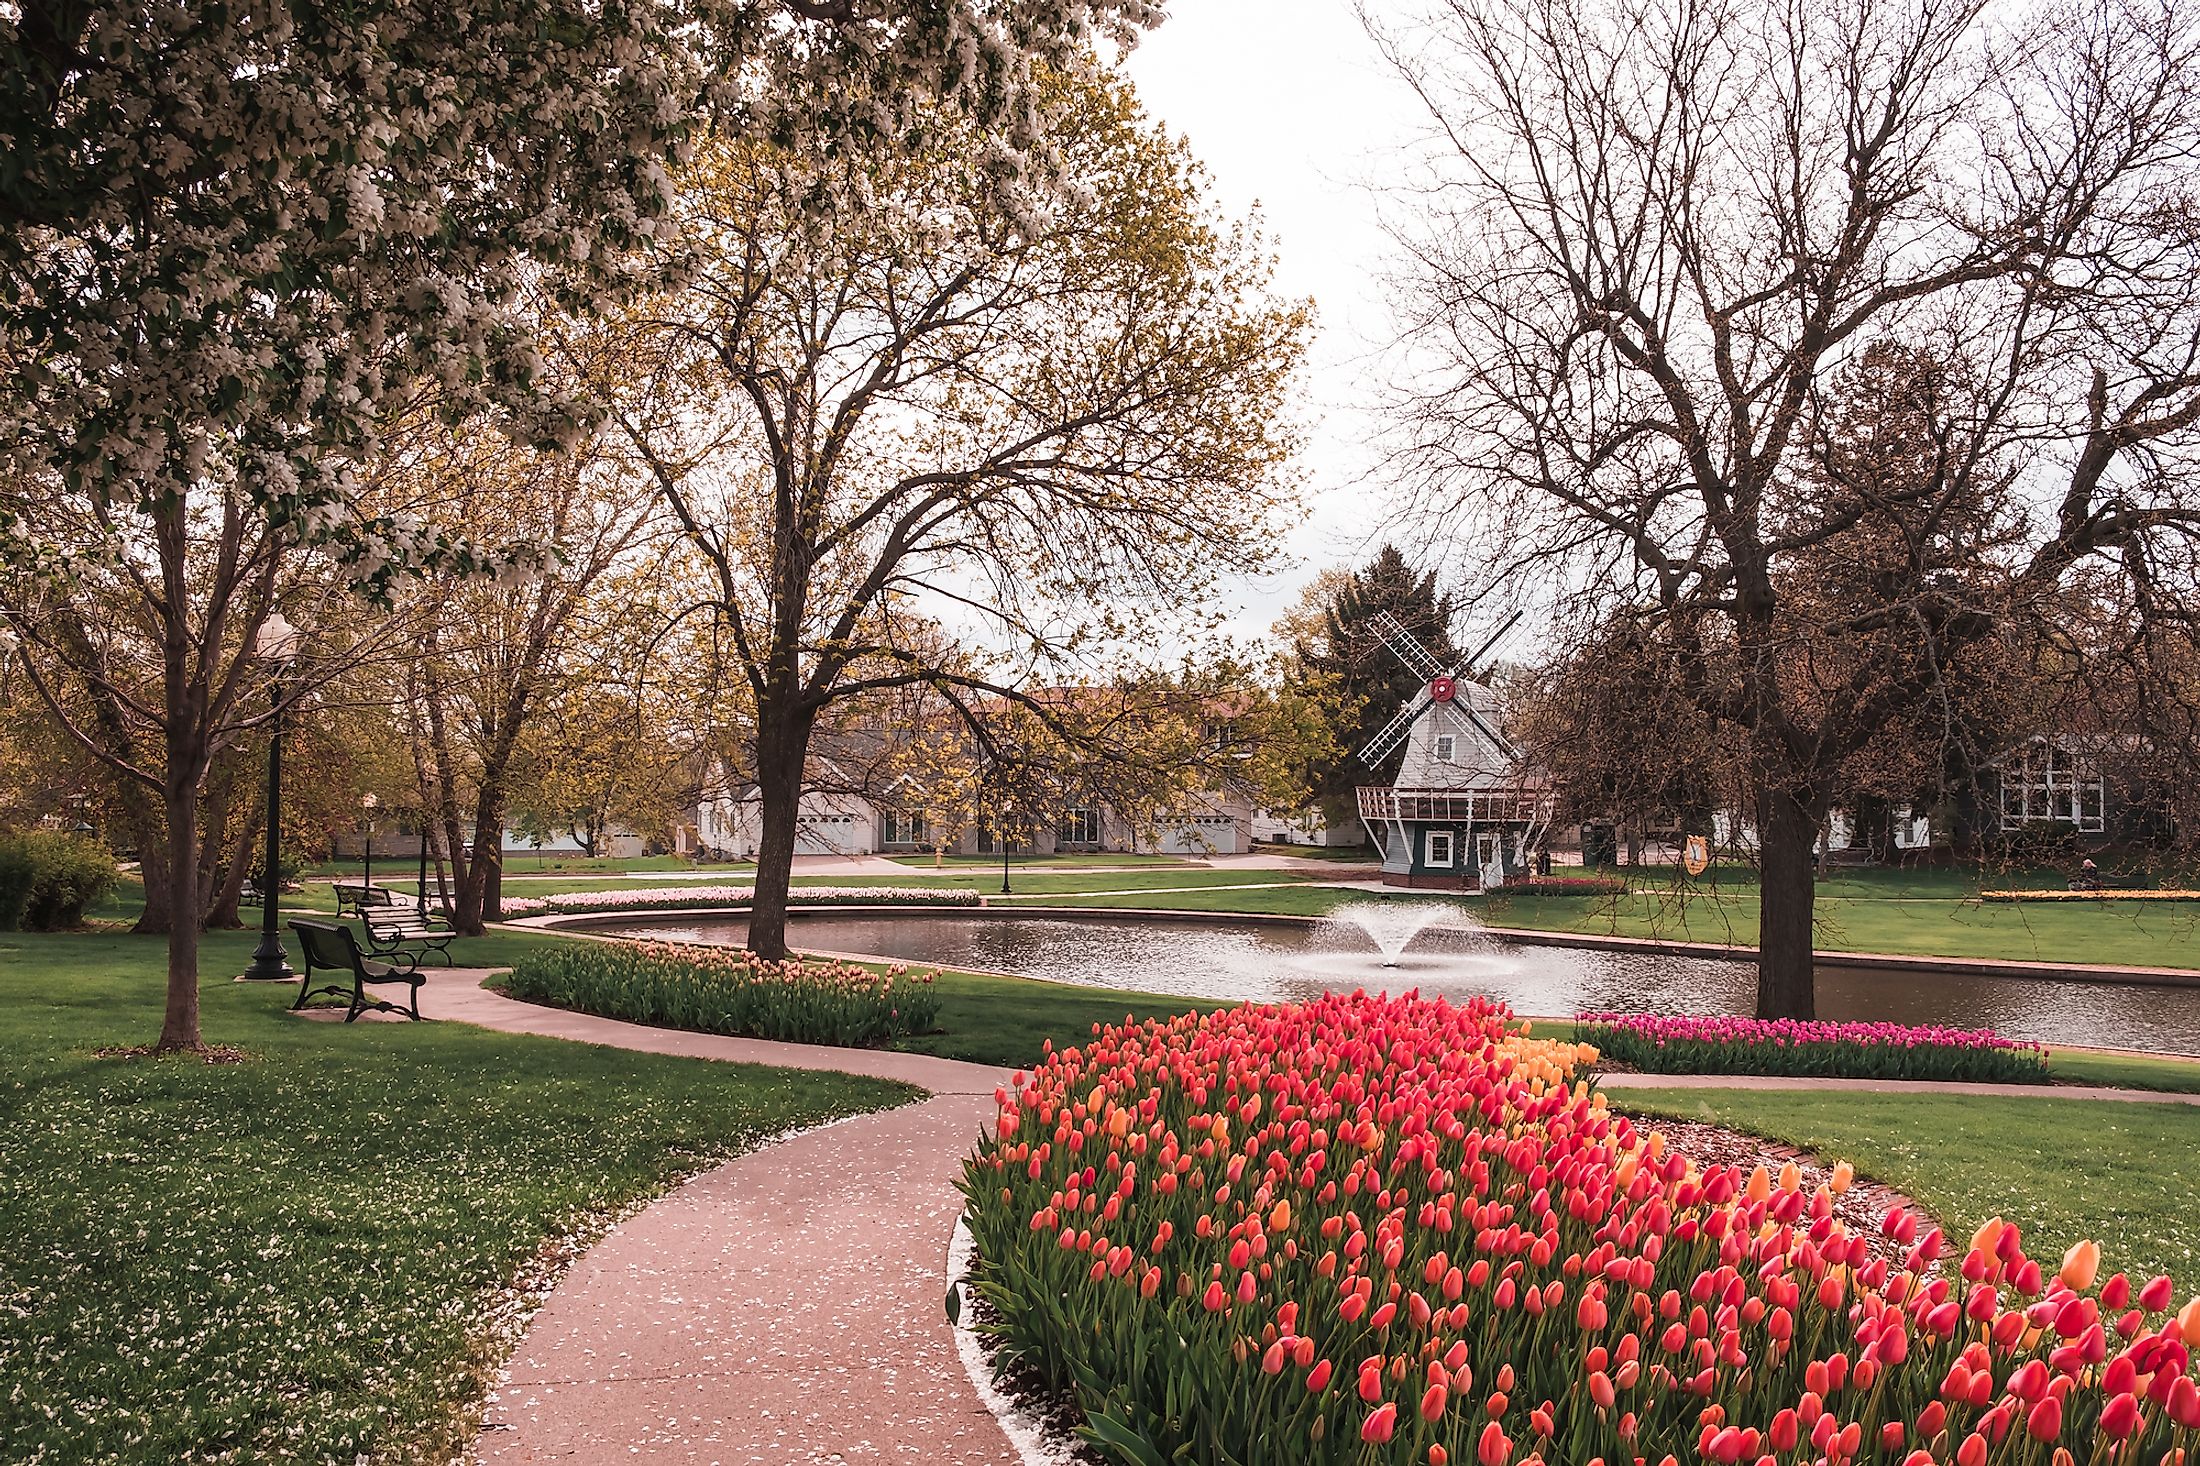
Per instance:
(2063,1169)
(308,1255)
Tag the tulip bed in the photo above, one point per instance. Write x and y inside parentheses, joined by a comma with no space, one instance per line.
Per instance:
(1392,1230)
(677,898)
(1666,1045)
(720,990)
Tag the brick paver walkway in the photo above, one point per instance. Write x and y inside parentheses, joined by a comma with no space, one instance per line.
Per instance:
(787,1306)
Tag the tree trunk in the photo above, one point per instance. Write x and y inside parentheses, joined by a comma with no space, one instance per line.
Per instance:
(151,834)
(1788,834)
(223,911)
(481,873)
(782,751)
(180,1025)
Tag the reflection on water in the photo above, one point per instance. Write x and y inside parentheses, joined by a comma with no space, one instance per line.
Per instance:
(1196,957)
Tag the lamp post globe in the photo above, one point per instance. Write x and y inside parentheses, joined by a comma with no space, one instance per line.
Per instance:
(277,645)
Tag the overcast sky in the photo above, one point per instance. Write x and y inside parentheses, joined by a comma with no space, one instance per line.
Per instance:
(1291,108)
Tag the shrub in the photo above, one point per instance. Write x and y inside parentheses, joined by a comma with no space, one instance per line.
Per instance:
(1660,1045)
(674,898)
(49,880)
(719,990)
(1389,1230)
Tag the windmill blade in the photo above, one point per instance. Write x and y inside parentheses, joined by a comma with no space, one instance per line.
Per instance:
(1466,666)
(1393,733)
(1407,647)
(1504,744)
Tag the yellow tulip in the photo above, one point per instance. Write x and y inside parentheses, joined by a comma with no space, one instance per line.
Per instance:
(1279,1220)
(1760,1184)
(2188,1323)
(1791,1177)
(1985,1237)
(2080,1265)
(1657,1144)
(1844,1176)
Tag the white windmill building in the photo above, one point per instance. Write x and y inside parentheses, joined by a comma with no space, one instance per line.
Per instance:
(1464,811)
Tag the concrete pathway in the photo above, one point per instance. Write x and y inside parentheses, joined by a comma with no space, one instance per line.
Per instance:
(787,1306)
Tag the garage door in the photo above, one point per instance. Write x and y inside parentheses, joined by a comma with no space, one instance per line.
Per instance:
(829,834)
(1207,834)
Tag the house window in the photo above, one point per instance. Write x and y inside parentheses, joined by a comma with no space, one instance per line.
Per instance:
(2050,783)
(1080,827)
(1437,847)
(1447,746)
(904,828)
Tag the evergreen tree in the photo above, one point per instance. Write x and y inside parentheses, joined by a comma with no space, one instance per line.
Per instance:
(1373,683)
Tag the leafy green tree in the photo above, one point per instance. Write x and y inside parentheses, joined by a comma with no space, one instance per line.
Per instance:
(1335,639)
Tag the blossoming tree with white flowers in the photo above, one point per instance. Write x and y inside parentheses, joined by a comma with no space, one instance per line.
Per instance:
(237,238)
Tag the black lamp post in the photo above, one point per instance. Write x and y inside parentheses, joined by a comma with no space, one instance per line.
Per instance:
(276,644)
(1003,809)
(367,804)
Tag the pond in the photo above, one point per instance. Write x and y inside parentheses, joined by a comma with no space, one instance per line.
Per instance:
(1207,957)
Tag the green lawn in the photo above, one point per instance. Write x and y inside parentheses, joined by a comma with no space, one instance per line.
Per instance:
(1007,1020)
(296,1257)
(2121,1174)
(1025,862)
(1343,854)
(1022,883)
(2138,934)
(520,863)
(1274,900)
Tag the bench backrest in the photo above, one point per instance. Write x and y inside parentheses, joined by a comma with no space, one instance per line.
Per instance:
(328,944)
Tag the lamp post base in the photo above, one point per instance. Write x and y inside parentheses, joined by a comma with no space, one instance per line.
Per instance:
(270,963)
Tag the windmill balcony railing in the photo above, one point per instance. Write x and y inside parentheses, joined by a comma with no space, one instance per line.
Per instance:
(1510,805)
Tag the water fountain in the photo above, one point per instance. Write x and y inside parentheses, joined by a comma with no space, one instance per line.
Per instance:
(1392,925)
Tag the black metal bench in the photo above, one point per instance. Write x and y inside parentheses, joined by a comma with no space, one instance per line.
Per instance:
(406,934)
(355,898)
(332,948)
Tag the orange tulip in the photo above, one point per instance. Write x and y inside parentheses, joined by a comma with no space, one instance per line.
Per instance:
(2188,1323)
(2080,1265)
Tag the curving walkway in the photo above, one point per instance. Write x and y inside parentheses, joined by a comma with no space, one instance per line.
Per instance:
(788,1305)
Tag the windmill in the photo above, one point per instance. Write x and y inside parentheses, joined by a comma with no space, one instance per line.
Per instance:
(1462,812)
(1440,686)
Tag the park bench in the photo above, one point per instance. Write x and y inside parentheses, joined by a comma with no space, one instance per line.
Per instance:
(406,934)
(331,947)
(354,898)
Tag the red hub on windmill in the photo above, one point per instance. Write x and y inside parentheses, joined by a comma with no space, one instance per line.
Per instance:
(1442,689)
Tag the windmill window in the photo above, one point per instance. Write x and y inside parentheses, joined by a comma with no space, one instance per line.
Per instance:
(1447,747)
(1438,847)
